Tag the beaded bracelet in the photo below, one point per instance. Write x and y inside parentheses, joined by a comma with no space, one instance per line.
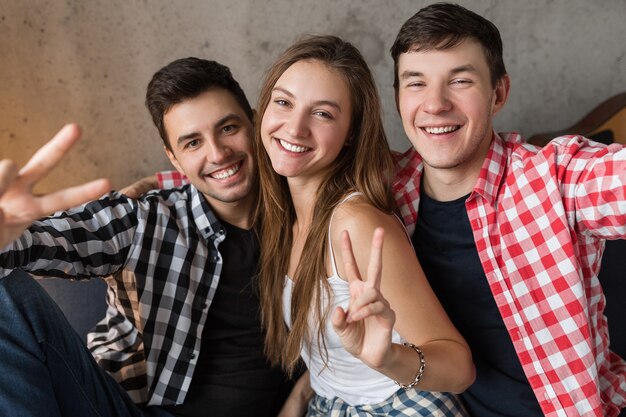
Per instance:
(420,372)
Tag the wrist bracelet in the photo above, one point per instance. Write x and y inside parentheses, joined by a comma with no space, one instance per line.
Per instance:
(420,372)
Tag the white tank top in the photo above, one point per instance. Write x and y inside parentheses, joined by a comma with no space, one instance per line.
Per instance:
(345,376)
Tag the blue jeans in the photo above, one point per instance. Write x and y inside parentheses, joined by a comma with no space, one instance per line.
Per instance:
(45,367)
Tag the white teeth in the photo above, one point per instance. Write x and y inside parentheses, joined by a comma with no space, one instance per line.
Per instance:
(293,148)
(225,173)
(440,130)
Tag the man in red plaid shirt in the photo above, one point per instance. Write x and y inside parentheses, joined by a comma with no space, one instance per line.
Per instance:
(510,236)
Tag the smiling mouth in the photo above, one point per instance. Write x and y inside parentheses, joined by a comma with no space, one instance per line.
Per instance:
(292,147)
(441,130)
(227,172)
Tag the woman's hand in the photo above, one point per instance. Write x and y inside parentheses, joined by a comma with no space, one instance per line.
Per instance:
(365,329)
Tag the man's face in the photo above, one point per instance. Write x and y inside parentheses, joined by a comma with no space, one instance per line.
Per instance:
(446,102)
(211,140)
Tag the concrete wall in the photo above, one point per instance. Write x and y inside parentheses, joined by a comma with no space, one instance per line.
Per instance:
(90,61)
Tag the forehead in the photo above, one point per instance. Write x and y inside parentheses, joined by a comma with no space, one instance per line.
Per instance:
(431,61)
(204,110)
(314,79)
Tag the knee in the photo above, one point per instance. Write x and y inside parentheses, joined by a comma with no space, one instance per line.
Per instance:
(17,286)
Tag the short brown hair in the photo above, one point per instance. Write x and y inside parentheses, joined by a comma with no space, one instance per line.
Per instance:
(187,78)
(444,25)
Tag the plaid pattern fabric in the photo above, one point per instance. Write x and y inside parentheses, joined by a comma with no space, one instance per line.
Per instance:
(404,403)
(538,218)
(171,179)
(162,254)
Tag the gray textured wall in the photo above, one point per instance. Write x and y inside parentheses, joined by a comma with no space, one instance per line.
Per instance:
(90,61)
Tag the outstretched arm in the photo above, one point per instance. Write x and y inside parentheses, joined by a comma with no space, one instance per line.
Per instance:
(19,207)
(140,187)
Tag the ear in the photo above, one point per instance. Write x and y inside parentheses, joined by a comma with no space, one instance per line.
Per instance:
(397,98)
(173,159)
(501,93)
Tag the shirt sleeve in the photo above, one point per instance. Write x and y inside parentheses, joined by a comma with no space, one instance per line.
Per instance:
(92,240)
(595,178)
(171,179)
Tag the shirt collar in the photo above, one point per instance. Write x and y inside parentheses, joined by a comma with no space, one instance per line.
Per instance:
(203,215)
(492,172)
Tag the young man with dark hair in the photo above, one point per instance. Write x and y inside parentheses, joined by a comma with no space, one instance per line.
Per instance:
(510,236)
(182,334)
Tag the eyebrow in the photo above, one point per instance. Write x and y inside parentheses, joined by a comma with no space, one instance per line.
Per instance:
(453,71)
(221,122)
(316,103)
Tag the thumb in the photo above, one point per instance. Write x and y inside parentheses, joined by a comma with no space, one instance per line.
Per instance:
(339,320)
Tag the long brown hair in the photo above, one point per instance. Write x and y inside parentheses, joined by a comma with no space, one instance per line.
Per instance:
(365,165)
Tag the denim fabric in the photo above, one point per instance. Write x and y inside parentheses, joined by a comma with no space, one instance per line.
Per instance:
(45,368)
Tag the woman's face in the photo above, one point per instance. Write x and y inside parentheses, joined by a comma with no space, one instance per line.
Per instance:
(307,120)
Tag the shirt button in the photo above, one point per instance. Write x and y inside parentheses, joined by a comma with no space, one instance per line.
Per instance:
(221,231)
(205,306)
(192,355)
(214,258)
(547,397)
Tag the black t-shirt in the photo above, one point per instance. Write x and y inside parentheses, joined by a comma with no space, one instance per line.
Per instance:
(232,377)
(445,247)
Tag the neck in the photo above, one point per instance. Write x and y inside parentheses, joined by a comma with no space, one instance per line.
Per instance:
(442,186)
(449,184)
(238,213)
(303,196)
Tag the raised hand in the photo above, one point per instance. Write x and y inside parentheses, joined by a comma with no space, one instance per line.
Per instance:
(19,207)
(365,329)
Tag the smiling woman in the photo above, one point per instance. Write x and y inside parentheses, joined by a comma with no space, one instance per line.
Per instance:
(306,122)
(375,342)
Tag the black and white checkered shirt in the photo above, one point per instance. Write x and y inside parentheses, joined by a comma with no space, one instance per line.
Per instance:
(160,257)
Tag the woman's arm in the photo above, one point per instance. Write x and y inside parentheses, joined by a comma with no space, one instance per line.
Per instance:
(402,289)
(298,400)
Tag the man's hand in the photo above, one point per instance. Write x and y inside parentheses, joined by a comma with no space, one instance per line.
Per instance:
(19,207)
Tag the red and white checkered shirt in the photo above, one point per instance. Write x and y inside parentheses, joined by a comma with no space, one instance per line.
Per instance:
(539,217)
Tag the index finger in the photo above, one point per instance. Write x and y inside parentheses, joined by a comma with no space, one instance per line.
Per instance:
(8,172)
(49,155)
(73,196)
(349,263)
(375,266)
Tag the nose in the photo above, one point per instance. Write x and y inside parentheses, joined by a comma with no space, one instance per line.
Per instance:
(218,152)
(297,124)
(436,100)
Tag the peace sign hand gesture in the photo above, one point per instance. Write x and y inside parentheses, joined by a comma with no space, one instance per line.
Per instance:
(365,329)
(19,207)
